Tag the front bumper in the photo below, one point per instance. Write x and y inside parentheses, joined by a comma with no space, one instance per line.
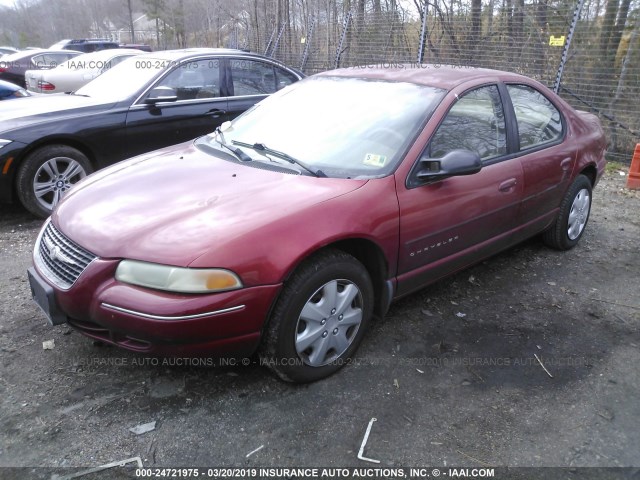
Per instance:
(154,322)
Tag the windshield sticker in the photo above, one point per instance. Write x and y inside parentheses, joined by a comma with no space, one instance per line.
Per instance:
(375,160)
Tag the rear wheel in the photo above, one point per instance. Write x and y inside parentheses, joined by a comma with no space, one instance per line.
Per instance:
(319,319)
(573,216)
(47,174)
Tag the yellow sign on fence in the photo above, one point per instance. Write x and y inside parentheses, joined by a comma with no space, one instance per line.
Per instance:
(556,41)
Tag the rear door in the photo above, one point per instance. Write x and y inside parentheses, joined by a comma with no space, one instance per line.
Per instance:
(547,155)
(449,223)
(251,80)
(200,108)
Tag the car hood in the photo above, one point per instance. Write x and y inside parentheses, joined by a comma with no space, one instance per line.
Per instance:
(38,109)
(176,204)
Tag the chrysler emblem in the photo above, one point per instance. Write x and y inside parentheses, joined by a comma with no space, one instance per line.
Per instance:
(55,253)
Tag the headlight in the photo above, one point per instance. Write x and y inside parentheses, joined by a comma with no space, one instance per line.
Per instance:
(177,279)
(4,142)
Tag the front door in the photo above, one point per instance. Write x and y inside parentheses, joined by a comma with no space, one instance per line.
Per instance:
(199,109)
(449,223)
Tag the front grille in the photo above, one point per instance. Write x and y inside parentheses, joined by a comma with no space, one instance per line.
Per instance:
(61,259)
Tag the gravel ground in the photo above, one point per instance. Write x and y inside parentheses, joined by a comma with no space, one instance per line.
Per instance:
(449,374)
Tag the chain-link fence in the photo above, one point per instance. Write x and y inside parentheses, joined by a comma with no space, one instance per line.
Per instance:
(588,50)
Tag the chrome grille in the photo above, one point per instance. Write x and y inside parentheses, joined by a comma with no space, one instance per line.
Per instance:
(61,259)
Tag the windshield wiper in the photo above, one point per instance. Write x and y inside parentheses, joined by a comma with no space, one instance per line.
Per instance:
(262,148)
(240,155)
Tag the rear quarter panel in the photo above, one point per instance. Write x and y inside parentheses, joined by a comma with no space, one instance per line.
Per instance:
(591,142)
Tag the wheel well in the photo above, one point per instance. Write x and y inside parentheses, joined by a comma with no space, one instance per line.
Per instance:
(48,143)
(591,173)
(371,256)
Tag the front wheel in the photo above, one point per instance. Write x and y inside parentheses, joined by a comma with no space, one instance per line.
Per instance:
(319,319)
(573,216)
(47,174)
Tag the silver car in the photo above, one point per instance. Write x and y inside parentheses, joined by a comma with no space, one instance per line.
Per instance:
(76,72)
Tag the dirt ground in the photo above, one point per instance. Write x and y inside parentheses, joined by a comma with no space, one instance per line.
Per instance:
(449,374)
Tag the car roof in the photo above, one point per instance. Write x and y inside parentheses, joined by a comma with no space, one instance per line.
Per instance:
(22,54)
(194,52)
(33,53)
(83,41)
(61,42)
(446,77)
(104,54)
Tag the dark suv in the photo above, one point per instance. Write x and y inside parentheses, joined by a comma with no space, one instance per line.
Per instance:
(86,45)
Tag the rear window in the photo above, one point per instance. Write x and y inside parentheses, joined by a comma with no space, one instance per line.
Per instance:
(539,122)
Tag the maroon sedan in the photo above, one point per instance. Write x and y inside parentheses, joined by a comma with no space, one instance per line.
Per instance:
(288,229)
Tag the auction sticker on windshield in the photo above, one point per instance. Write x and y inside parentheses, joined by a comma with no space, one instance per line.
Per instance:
(375,160)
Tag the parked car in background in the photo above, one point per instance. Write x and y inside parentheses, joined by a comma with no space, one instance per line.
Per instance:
(14,66)
(74,73)
(10,91)
(50,142)
(7,51)
(85,45)
(287,235)
(137,46)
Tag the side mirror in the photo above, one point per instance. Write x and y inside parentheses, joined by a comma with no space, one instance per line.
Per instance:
(454,163)
(161,94)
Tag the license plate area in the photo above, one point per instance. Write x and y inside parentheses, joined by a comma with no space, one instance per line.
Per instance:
(44,296)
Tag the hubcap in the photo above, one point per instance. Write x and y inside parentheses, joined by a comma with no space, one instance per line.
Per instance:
(579,214)
(54,178)
(329,322)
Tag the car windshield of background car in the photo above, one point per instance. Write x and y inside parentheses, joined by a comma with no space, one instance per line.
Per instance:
(124,80)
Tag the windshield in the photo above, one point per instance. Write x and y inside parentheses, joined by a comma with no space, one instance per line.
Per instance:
(344,127)
(125,79)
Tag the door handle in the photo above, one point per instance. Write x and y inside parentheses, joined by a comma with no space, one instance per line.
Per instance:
(507,185)
(215,113)
(566,164)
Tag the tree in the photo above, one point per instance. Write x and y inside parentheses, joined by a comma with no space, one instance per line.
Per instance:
(615,17)
(133,33)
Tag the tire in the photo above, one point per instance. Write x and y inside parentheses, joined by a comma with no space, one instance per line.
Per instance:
(307,348)
(569,225)
(47,174)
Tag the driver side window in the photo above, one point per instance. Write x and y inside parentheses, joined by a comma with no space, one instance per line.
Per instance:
(475,122)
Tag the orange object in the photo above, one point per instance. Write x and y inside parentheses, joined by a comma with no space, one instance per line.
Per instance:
(633,180)
(7,164)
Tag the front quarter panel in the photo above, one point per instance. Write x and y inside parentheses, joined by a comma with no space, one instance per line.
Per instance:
(8,162)
(268,254)
(99,133)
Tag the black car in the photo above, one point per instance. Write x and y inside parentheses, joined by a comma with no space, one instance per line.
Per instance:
(9,91)
(12,67)
(149,101)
